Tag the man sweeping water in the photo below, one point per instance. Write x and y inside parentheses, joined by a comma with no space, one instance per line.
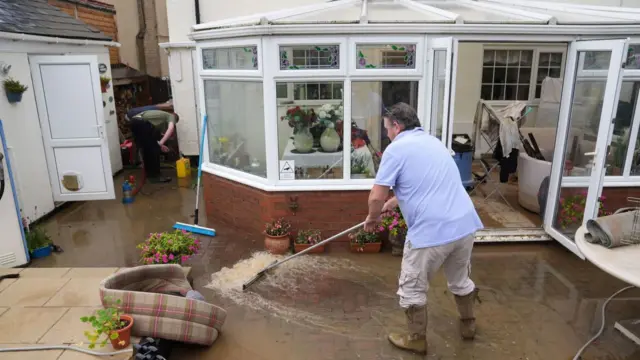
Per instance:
(441,222)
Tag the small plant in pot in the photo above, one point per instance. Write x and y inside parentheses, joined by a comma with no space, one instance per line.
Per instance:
(14,90)
(276,236)
(397,226)
(38,242)
(365,241)
(308,238)
(109,324)
(104,82)
(171,247)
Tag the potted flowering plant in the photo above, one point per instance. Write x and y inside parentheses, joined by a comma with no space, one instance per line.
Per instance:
(276,236)
(104,82)
(306,239)
(111,324)
(397,226)
(300,121)
(572,208)
(174,247)
(330,116)
(364,241)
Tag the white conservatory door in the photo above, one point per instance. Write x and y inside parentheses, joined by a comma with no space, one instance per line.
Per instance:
(440,69)
(583,137)
(68,96)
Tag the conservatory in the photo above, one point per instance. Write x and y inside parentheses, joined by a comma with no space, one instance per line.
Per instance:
(281,89)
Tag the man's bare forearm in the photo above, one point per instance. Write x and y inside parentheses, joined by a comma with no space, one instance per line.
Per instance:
(377,198)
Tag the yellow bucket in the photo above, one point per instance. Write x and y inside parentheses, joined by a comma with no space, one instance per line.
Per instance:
(183,168)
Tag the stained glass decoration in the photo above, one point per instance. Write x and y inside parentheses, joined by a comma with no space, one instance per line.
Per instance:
(309,57)
(231,58)
(378,56)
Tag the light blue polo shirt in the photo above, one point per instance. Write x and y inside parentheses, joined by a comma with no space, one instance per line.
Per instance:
(427,183)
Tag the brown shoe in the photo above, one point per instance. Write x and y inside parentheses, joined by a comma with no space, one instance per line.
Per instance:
(467,319)
(416,339)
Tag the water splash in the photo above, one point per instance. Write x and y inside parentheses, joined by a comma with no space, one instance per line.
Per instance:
(308,290)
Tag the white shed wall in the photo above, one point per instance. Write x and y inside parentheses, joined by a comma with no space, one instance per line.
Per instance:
(22,125)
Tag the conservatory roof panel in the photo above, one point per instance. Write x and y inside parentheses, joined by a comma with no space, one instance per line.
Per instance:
(474,12)
(388,12)
(471,14)
(341,14)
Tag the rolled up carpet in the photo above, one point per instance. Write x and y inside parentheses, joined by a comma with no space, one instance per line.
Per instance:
(610,231)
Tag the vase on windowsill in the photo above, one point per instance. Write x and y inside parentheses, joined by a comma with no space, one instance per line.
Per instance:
(303,140)
(330,140)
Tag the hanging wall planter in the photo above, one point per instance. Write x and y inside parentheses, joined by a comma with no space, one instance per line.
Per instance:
(14,90)
(104,83)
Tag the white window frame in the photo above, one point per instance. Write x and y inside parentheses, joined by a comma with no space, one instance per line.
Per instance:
(418,41)
(537,48)
(230,73)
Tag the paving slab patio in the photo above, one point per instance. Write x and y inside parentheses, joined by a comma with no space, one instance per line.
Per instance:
(44,306)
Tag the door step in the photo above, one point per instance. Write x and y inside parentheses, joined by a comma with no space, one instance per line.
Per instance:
(515,235)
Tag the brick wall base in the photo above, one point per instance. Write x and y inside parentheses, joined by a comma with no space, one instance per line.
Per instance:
(244,207)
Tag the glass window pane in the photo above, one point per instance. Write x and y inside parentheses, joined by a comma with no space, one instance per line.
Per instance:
(236,125)
(310,136)
(437,97)
(596,60)
(633,57)
(390,56)
(584,121)
(282,91)
(622,129)
(236,58)
(309,57)
(368,136)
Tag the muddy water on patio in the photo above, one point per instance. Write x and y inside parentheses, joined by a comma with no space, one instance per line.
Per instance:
(540,302)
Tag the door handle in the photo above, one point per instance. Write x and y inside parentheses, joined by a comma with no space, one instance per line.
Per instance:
(593,153)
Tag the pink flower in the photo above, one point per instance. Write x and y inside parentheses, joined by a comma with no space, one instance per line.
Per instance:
(165,259)
(184,231)
(185,258)
(381,228)
(170,256)
(157,256)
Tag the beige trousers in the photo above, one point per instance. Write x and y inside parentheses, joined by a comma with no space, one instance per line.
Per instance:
(419,266)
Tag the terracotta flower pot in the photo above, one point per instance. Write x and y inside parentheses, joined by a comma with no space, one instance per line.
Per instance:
(366,248)
(301,247)
(278,245)
(124,334)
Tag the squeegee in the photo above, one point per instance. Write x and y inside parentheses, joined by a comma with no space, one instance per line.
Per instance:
(195,228)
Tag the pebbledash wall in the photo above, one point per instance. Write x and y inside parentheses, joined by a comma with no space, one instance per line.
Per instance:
(248,208)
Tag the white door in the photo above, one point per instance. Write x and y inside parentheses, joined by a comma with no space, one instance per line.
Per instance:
(68,96)
(440,69)
(585,126)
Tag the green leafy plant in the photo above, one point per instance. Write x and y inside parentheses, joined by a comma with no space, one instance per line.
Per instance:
(37,238)
(14,86)
(105,323)
(394,222)
(104,80)
(310,237)
(359,166)
(279,227)
(174,247)
(362,237)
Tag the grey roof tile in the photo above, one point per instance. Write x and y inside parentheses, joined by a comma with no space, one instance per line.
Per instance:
(37,17)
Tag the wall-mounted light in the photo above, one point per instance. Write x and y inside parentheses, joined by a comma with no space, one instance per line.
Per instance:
(4,68)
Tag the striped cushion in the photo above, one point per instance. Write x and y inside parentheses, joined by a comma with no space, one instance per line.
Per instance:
(158,314)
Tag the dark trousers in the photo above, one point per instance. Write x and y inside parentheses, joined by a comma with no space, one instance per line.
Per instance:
(146,138)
